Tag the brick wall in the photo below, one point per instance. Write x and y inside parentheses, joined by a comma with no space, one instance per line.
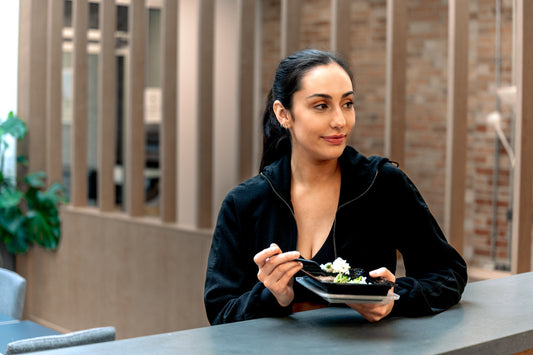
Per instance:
(426,100)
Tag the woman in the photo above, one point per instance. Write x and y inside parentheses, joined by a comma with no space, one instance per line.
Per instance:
(318,198)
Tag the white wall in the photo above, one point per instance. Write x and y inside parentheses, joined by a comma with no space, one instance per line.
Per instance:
(9,25)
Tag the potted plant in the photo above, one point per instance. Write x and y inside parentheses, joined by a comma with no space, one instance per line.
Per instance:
(29,211)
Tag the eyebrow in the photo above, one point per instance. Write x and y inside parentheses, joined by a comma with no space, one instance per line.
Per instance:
(326,96)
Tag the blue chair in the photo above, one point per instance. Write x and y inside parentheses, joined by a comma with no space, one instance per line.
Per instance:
(12,290)
(82,337)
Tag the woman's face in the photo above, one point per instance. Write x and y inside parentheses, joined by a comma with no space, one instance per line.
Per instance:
(322,115)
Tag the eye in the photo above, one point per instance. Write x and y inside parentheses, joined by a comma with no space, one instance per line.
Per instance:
(320,106)
(349,104)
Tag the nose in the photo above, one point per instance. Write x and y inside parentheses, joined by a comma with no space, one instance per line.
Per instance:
(337,119)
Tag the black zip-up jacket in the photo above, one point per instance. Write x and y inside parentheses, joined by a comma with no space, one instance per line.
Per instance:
(380,212)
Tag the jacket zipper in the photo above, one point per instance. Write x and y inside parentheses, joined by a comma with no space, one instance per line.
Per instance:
(347,203)
(341,206)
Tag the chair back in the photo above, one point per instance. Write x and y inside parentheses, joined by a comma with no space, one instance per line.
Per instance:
(82,337)
(12,290)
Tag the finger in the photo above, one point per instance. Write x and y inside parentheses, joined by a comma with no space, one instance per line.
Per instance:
(276,264)
(383,272)
(284,273)
(261,258)
(280,283)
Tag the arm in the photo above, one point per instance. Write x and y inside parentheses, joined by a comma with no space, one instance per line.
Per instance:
(435,272)
(232,289)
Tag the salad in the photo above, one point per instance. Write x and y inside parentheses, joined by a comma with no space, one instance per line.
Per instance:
(341,267)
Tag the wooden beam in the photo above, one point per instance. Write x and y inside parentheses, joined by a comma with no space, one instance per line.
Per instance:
(456,122)
(204,135)
(106,107)
(340,27)
(290,26)
(168,130)
(78,141)
(135,132)
(54,61)
(523,174)
(247,82)
(195,109)
(396,82)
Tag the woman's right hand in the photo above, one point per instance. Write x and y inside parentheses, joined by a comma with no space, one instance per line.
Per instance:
(276,272)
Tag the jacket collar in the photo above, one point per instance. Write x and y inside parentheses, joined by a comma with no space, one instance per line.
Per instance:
(358,173)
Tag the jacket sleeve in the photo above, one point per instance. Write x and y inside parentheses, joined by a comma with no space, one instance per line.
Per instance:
(232,291)
(436,274)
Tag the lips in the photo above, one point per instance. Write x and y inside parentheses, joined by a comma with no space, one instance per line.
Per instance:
(335,139)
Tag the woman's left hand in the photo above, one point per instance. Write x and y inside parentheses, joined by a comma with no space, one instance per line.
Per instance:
(376,312)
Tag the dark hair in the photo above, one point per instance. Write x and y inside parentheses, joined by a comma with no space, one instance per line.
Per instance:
(287,80)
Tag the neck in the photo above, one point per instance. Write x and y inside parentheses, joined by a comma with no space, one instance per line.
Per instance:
(307,172)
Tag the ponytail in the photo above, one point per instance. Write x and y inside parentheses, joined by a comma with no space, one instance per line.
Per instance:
(276,139)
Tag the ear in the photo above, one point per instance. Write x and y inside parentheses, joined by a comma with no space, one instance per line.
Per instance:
(282,114)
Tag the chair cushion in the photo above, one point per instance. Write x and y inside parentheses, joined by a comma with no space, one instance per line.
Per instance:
(82,337)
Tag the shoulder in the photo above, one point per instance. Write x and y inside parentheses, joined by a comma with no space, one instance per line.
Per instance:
(248,191)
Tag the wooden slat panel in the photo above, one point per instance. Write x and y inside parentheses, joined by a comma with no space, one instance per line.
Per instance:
(135,132)
(290,26)
(456,122)
(31,103)
(168,125)
(246,87)
(204,141)
(523,174)
(106,106)
(395,76)
(340,27)
(195,93)
(187,173)
(78,142)
(227,99)
(54,60)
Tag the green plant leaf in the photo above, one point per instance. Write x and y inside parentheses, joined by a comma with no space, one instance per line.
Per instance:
(13,126)
(39,230)
(36,180)
(9,197)
(21,159)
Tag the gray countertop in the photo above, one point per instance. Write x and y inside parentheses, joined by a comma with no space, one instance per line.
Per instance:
(494,317)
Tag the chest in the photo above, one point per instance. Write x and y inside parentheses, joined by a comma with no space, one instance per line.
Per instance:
(314,211)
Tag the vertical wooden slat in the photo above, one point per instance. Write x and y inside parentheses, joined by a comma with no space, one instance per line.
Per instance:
(456,122)
(290,26)
(188,64)
(36,114)
(395,76)
(195,93)
(227,98)
(340,27)
(204,136)
(78,142)
(246,87)
(168,110)
(135,132)
(106,106)
(54,60)
(523,174)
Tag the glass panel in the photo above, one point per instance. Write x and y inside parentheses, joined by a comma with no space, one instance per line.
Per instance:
(152,111)
(92,128)
(67,13)
(66,119)
(93,15)
(122,18)
(120,131)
